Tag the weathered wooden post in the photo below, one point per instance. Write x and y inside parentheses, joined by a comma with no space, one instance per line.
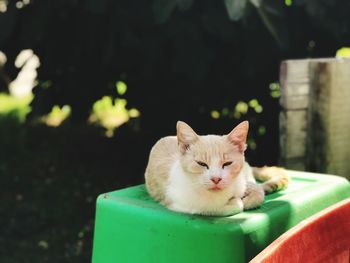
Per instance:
(315,116)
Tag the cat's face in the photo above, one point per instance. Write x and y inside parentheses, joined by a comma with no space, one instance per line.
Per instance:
(212,161)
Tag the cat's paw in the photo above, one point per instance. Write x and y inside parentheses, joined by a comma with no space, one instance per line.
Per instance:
(254,196)
(275,184)
(233,206)
(274,178)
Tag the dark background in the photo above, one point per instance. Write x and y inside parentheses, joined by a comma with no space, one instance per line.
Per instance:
(181,59)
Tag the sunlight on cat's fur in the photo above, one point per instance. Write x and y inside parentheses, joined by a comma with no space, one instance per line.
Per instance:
(208,175)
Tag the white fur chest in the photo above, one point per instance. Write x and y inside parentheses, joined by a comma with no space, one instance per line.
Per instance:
(186,196)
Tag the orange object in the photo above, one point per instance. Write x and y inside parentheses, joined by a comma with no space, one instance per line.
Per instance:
(323,237)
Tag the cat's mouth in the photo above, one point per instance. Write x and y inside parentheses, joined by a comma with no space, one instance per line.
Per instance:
(215,188)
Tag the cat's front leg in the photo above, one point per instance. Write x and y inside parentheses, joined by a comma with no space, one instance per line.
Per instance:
(254,196)
(233,206)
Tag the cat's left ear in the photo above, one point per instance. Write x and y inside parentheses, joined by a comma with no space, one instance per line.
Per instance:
(238,136)
(185,135)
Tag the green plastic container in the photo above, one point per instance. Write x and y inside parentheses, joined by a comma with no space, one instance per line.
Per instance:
(131,227)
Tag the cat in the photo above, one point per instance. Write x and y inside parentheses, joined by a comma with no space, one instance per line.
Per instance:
(208,175)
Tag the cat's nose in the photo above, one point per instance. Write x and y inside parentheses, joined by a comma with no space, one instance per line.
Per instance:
(216,180)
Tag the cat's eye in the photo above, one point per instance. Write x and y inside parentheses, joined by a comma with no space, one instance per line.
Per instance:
(202,164)
(226,164)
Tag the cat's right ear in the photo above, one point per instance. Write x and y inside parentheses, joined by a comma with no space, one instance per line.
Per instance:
(185,135)
(238,136)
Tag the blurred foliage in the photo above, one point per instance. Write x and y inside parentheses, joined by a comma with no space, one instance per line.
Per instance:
(13,114)
(16,108)
(343,52)
(288,2)
(57,115)
(183,58)
(27,63)
(166,45)
(121,87)
(111,115)
(275,90)
(240,112)
(15,102)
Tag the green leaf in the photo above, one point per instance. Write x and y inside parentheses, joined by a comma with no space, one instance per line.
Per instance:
(241,107)
(253,103)
(215,114)
(121,87)
(343,52)
(111,113)
(57,115)
(288,2)
(134,113)
(275,94)
(274,86)
(258,109)
(15,106)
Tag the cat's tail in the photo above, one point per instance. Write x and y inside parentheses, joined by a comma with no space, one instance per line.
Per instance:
(274,178)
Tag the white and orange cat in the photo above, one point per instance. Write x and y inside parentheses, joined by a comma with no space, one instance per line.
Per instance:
(208,175)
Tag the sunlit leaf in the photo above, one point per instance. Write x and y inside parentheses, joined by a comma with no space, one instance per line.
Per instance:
(275,94)
(3,58)
(3,6)
(258,109)
(241,107)
(343,52)
(109,133)
(17,106)
(121,87)
(253,103)
(57,115)
(134,113)
(215,114)
(275,91)
(110,114)
(22,57)
(288,2)
(120,103)
(25,81)
(274,86)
